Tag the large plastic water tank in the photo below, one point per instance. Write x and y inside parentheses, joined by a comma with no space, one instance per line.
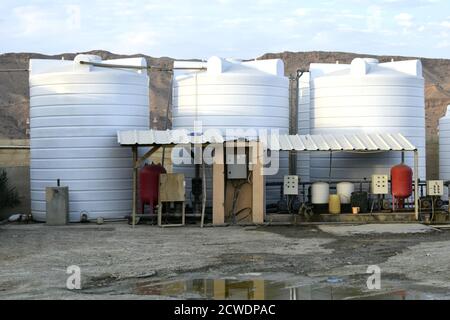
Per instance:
(75,113)
(367,96)
(444,147)
(233,94)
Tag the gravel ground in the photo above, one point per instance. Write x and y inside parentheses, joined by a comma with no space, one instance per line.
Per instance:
(113,257)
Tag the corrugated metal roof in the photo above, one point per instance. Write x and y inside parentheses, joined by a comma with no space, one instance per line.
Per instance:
(337,142)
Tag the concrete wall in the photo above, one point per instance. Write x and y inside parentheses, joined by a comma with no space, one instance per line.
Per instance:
(16,163)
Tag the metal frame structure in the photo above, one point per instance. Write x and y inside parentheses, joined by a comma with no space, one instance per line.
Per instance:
(376,142)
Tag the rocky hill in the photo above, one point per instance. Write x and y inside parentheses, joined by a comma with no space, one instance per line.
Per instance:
(14,89)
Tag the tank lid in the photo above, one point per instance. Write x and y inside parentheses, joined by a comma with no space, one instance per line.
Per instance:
(217,65)
(371,60)
(364,66)
(42,66)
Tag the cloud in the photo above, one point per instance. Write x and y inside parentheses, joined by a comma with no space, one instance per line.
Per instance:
(374,18)
(32,20)
(138,41)
(404,20)
(443,44)
(73,20)
(191,29)
(301,12)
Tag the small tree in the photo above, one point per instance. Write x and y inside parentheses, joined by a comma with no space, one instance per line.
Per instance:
(8,195)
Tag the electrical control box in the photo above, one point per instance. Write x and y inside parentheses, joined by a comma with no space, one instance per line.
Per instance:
(435,187)
(237,166)
(290,185)
(380,184)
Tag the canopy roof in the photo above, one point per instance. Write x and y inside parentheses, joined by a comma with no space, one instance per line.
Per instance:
(282,142)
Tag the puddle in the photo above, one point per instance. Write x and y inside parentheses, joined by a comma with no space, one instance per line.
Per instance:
(260,289)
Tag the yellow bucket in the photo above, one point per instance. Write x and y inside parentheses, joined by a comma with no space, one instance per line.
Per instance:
(334,204)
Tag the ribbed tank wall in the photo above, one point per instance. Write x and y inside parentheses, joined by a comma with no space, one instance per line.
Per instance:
(233,95)
(75,113)
(444,148)
(367,97)
(303,158)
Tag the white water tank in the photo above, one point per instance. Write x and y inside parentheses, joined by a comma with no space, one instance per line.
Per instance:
(232,94)
(75,113)
(320,192)
(344,191)
(444,146)
(369,97)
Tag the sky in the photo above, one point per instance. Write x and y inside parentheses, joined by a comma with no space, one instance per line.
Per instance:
(228,28)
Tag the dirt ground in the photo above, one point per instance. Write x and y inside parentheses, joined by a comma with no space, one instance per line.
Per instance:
(115,260)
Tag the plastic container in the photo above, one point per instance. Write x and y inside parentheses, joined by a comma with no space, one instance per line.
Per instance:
(334,204)
(320,192)
(344,190)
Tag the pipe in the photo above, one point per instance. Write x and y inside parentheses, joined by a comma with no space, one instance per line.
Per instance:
(202,222)
(166,124)
(14,70)
(15,147)
(293,117)
(122,66)
(416,184)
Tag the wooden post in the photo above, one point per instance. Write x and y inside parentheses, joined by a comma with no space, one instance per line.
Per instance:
(220,289)
(135,169)
(259,292)
(258,186)
(218,186)
(202,221)
(416,184)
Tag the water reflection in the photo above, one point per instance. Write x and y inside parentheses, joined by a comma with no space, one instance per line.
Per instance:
(260,289)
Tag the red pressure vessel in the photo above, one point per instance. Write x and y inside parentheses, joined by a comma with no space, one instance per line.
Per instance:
(149,184)
(401,183)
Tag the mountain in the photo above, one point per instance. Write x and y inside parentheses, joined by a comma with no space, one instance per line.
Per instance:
(14,96)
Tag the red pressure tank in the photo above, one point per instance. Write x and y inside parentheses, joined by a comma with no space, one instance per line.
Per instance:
(149,184)
(401,183)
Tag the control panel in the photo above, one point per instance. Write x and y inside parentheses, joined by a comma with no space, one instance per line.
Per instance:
(236,166)
(435,187)
(380,184)
(290,185)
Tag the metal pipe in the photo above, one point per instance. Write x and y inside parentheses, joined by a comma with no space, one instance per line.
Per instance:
(15,147)
(416,183)
(293,116)
(122,66)
(135,189)
(166,124)
(14,70)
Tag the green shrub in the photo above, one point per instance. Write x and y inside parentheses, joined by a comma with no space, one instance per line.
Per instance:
(8,195)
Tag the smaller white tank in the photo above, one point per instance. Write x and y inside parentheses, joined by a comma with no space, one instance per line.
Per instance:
(320,192)
(344,190)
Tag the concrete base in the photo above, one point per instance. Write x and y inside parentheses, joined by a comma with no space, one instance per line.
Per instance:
(374,228)
(346,218)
